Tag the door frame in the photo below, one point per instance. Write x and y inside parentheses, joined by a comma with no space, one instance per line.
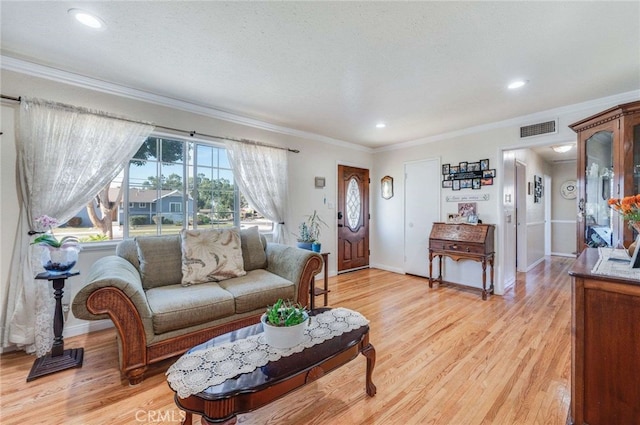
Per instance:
(334,259)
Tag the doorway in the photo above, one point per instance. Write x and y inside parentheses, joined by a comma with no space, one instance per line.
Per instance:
(521,191)
(353,218)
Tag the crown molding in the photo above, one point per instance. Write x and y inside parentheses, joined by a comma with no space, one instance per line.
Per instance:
(604,102)
(42,71)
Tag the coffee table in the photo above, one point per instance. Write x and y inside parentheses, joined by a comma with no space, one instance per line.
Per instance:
(244,393)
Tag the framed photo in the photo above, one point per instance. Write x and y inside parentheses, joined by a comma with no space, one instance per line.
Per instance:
(465,209)
(455,184)
(465,184)
(473,166)
(386,187)
(463,167)
(472,219)
(454,169)
(446,169)
(488,173)
(475,184)
(484,164)
(319,182)
(635,259)
(447,184)
(487,181)
(453,218)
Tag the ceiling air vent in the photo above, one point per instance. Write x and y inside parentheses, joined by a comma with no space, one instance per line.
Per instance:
(538,129)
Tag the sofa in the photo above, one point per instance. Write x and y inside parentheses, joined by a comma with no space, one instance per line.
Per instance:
(141,289)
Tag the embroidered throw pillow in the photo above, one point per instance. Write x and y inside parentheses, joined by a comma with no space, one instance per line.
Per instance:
(210,256)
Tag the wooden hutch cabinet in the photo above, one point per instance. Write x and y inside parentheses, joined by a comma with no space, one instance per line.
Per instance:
(608,166)
(605,346)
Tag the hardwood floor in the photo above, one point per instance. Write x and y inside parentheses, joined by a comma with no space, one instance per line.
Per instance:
(444,356)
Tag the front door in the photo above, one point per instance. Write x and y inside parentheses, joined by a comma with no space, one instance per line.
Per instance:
(353,218)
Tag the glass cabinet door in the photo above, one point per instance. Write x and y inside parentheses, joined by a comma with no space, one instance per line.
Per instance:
(599,184)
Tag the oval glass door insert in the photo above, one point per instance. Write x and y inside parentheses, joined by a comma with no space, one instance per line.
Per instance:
(353,204)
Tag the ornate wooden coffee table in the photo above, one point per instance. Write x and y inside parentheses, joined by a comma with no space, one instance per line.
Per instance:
(244,393)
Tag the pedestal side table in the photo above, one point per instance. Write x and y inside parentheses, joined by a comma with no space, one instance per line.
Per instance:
(59,358)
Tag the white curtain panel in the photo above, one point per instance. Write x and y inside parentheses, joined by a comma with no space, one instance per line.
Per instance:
(261,174)
(65,155)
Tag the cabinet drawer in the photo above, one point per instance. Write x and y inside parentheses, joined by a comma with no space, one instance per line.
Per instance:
(452,246)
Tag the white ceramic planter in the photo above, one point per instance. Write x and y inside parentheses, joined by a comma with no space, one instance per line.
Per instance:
(284,336)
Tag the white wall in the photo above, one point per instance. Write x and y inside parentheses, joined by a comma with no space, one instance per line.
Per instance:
(315,159)
(563,212)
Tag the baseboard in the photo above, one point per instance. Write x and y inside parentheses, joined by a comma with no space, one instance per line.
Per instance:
(535,263)
(563,254)
(88,327)
(387,268)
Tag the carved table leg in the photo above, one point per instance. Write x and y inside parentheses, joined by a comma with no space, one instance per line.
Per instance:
(430,269)
(188,419)
(370,353)
(491,264)
(484,279)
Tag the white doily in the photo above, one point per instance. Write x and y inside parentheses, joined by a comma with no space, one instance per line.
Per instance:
(615,262)
(196,371)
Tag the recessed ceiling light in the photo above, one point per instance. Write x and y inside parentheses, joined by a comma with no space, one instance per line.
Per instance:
(562,148)
(517,84)
(87,18)
(381,125)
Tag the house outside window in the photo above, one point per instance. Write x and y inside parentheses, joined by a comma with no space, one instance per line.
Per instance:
(169,184)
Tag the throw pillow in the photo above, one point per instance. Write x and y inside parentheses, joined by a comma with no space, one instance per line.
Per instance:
(160,260)
(252,249)
(210,256)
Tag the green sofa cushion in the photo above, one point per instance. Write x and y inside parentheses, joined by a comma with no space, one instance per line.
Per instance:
(178,307)
(257,289)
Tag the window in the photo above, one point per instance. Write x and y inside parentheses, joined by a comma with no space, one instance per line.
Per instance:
(170,184)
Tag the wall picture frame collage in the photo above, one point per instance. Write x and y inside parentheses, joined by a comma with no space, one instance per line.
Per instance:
(467,175)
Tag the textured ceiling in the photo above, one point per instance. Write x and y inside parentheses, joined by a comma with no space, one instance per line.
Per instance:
(337,68)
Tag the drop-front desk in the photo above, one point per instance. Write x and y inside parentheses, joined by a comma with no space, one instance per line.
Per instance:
(463,241)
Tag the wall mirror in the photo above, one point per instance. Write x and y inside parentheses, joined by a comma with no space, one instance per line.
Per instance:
(386,187)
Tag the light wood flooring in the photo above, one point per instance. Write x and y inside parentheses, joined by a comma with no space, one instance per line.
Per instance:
(444,356)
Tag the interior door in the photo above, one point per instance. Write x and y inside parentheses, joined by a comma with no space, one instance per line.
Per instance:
(422,208)
(353,218)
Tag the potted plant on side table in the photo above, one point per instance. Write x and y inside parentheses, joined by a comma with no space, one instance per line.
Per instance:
(309,232)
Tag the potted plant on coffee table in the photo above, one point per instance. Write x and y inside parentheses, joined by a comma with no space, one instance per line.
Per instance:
(284,324)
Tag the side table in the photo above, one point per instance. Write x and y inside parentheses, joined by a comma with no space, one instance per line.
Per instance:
(325,291)
(59,358)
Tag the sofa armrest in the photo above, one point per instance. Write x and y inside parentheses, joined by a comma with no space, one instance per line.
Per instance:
(116,272)
(294,264)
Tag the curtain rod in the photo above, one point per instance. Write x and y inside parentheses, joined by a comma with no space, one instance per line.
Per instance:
(191,133)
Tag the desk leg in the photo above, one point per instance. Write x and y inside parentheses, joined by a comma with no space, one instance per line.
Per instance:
(430,269)
(484,279)
(439,269)
(491,265)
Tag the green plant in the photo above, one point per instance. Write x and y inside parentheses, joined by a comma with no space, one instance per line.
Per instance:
(285,313)
(309,230)
(95,238)
(138,220)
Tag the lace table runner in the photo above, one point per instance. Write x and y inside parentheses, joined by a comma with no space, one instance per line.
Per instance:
(615,262)
(198,370)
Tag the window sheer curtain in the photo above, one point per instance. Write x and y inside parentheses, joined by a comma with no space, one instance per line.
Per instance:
(261,174)
(65,156)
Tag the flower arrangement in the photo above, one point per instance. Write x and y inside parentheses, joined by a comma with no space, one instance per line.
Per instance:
(309,230)
(46,222)
(628,207)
